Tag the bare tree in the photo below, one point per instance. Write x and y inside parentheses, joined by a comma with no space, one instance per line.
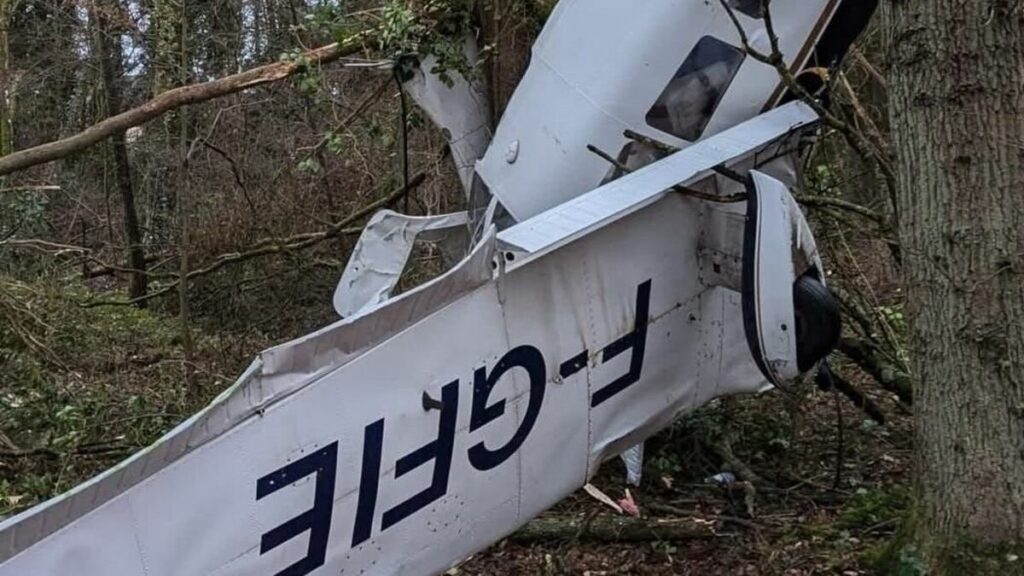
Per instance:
(108,56)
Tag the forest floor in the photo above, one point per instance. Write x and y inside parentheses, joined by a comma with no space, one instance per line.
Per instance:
(822,504)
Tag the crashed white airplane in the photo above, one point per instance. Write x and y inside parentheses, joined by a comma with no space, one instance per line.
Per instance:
(596,302)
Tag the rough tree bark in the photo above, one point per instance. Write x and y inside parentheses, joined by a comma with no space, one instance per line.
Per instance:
(956,82)
(108,53)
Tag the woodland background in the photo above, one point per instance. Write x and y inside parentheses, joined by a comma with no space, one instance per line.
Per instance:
(256,198)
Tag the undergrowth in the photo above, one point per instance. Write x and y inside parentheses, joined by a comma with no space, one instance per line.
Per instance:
(81,388)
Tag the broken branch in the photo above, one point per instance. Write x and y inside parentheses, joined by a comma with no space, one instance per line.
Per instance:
(178,97)
(611,530)
(868,359)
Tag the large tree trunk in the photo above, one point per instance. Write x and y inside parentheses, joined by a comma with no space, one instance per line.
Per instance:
(109,55)
(956,82)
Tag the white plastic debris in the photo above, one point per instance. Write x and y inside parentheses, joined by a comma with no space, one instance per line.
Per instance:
(601,497)
(380,255)
(634,460)
(721,479)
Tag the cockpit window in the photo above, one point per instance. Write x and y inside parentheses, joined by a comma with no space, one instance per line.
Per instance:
(686,105)
(751,8)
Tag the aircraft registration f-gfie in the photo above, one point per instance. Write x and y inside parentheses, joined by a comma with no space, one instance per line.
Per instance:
(590,304)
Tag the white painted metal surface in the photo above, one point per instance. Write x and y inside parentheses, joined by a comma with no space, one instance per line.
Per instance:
(461,109)
(426,426)
(600,66)
(380,255)
(771,288)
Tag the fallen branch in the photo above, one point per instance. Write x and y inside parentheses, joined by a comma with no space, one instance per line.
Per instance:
(611,530)
(84,255)
(816,201)
(178,97)
(670,510)
(39,188)
(97,450)
(111,269)
(858,398)
(868,359)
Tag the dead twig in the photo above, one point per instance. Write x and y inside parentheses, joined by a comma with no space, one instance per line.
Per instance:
(816,201)
(656,144)
(661,508)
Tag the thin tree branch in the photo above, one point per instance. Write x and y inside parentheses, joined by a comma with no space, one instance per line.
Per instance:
(775,58)
(725,199)
(822,201)
(270,246)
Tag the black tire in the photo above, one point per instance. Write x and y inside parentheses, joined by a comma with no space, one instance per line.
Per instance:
(818,322)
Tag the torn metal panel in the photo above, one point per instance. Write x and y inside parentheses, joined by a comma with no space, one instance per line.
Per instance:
(343,341)
(721,242)
(380,256)
(581,302)
(461,109)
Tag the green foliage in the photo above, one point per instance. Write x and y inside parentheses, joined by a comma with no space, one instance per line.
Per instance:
(665,462)
(325,17)
(910,563)
(894,316)
(438,31)
(310,166)
(76,379)
(334,142)
(871,507)
(23,212)
(401,30)
(823,179)
(307,78)
(909,553)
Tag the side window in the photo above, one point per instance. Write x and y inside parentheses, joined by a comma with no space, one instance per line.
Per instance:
(688,102)
(751,8)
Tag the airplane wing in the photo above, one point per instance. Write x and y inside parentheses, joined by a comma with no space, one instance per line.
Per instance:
(404,438)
